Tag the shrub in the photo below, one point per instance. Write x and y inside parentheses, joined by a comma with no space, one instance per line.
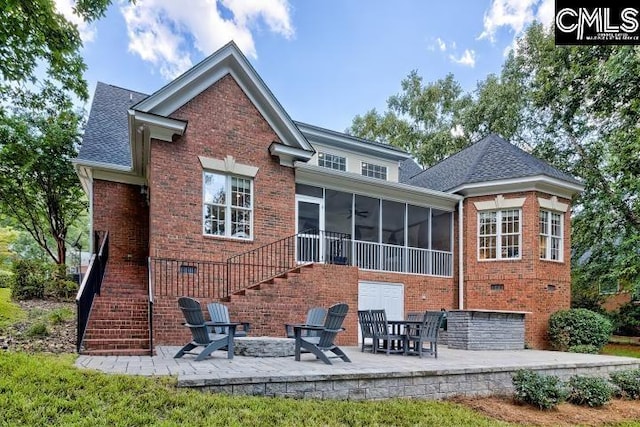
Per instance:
(627,382)
(578,327)
(589,391)
(627,319)
(61,289)
(60,315)
(6,279)
(543,391)
(29,279)
(38,329)
(584,348)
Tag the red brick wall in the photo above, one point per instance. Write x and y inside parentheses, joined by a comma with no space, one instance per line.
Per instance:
(526,281)
(121,210)
(222,121)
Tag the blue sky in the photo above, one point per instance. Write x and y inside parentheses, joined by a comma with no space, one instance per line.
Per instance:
(325,61)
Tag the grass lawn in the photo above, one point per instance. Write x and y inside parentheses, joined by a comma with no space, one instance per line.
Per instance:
(627,350)
(9,311)
(49,390)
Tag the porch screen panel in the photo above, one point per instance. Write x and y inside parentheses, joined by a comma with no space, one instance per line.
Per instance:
(337,211)
(393,223)
(366,217)
(441,230)
(418,226)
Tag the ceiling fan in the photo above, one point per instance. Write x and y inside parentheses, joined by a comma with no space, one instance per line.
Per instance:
(362,214)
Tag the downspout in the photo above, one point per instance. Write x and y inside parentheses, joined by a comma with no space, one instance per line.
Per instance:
(460,255)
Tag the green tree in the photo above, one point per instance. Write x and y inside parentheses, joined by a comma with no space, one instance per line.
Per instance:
(424,119)
(33,34)
(7,237)
(38,185)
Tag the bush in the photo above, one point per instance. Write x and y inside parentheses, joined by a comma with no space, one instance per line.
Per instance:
(578,327)
(38,329)
(60,315)
(543,391)
(627,319)
(627,382)
(589,391)
(60,289)
(6,279)
(29,279)
(584,348)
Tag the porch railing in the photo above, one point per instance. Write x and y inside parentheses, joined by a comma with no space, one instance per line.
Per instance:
(91,284)
(199,279)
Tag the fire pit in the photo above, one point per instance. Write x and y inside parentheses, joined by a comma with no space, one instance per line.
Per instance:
(264,347)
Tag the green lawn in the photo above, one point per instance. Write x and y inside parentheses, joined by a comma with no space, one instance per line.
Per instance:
(49,390)
(627,350)
(9,311)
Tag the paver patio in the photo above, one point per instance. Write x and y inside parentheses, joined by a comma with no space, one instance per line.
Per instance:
(369,376)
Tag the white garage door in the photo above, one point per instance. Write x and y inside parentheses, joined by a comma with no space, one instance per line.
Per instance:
(375,295)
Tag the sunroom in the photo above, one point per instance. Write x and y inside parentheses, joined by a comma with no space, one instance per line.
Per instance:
(345,218)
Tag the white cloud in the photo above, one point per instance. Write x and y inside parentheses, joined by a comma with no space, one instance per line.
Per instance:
(467,59)
(515,15)
(87,31)
(441,44)
(164,32)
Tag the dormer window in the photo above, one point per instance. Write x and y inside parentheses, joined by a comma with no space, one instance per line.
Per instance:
(332,161)
(374,171)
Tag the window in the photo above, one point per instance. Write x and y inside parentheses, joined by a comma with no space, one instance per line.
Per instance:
(499,234)
(228,205)
(332,161)
(550,235)
(374,171)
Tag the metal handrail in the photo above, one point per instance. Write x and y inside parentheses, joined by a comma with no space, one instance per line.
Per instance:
(150,308)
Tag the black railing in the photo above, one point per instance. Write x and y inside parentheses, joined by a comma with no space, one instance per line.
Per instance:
(199,279)
(150,308)
(91,284)
(273,259)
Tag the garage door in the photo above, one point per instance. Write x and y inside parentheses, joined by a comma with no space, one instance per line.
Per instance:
(376,295)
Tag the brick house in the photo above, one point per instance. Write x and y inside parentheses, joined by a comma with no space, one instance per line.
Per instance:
(208,188)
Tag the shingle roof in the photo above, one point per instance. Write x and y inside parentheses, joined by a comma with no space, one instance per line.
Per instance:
(408,169)
(106,136)
(490,159)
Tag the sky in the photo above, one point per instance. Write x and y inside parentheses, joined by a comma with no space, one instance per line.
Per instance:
(326,61)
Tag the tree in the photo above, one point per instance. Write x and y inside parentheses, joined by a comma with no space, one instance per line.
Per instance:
(425,120)
(38,185)
(33,33)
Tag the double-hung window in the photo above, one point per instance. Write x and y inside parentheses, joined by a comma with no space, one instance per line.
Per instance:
(332,161)
(499,234)
(551,235)
(228,205)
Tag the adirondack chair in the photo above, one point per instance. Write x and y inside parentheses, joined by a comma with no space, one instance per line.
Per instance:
(219,313)
(366,328)
(315,317)
(426,333)
(382,334)
(325,341)
(200,332)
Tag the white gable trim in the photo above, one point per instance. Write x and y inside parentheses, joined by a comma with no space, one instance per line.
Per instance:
(227,60)
(553,204)
(500,203)
(541,183)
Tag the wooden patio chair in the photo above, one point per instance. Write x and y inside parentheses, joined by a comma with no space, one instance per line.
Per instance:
(426,333)
(325,341)
(315,317)
(366,328)
(391,342)
(211,342)
(219,313)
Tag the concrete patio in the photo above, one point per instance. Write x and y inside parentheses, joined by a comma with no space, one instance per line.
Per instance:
(369,376)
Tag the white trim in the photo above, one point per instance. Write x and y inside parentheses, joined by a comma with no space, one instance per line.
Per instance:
(227,60)
(228,207)
(228,165)
(119,177)
(553,204)
(499,236)
(548,236)
(500,203)
(101,165)
(289,155)
(460,255)
(541,183)
(355,183)
(333,138)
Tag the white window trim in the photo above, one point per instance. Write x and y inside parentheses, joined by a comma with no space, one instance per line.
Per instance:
(499,235)
(227,166)
(229,207)
(547,255)
(386,170)
(552,204)
(336,156)
(499,203)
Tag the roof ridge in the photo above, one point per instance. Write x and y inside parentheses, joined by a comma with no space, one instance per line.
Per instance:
(121,87)
(487,139)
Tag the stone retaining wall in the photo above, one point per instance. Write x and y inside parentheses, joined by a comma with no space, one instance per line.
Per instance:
(485,330)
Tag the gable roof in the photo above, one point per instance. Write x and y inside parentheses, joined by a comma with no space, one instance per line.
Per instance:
(488,160)
(407,169)
(226,60)
(106,135)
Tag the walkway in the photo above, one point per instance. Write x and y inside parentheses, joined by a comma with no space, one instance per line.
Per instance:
(369,376)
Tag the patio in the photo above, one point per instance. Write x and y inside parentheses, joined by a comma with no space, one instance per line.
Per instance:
(369,376)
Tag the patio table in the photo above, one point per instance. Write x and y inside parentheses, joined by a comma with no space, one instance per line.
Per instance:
(398,327)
